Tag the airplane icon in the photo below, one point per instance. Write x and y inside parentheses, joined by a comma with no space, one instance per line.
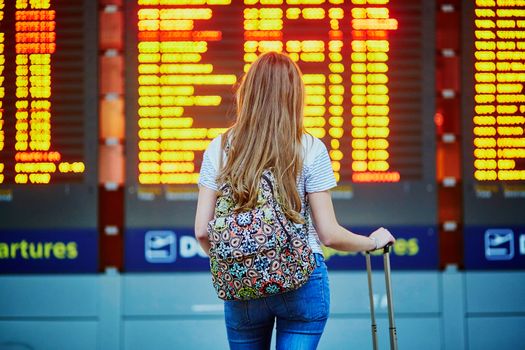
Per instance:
(160,246)
(499,244)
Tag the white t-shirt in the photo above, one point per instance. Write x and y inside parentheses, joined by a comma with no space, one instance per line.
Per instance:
(317,174)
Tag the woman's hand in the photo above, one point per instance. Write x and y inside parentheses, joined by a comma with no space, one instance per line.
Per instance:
(383,237)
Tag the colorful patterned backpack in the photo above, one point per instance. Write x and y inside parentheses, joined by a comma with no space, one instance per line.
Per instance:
(257,253)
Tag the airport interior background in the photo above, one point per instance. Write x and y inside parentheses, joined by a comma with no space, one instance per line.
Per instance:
(106,108)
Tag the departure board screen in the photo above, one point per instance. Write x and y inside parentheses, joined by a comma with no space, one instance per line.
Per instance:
(48,127)
(493,133)
(368,73)
(42,76)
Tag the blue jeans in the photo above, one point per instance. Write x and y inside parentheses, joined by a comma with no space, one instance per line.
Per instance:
(301,316)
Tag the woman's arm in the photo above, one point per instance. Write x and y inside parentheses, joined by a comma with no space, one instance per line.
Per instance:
(205,211)
(337,237)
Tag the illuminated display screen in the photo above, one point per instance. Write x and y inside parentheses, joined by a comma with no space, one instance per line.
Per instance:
(48,114)
(40,88)
(494,133)
(189,57)
(499,111)
(368,71)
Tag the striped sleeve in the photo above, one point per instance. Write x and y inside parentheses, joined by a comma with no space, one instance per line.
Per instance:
(320,175)
(208,173)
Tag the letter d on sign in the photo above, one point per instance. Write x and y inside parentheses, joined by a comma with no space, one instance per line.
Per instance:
(189,247)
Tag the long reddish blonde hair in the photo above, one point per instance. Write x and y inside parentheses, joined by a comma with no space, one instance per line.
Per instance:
(267,133)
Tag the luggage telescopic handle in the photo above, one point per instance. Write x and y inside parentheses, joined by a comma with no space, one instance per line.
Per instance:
(371,297)
(388,283)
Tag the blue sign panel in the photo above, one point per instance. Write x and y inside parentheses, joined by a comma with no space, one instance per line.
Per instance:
(495,247)
(48,251)
(163,250)
(178,250)
(416,248)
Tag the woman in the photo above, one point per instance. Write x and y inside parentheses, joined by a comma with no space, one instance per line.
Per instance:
(269,133)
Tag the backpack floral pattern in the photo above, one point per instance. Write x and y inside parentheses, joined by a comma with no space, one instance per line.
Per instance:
(257,253)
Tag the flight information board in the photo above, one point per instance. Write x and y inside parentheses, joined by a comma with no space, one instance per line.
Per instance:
(494,133)
(48,135)
(368,68)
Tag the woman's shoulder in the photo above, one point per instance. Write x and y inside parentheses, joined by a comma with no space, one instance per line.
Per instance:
(312,147)
(214,147)
(213,151)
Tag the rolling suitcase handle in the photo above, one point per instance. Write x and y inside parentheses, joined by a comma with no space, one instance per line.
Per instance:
(388,283)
